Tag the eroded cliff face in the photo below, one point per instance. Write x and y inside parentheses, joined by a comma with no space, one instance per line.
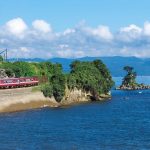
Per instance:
(77,95)
(73,96)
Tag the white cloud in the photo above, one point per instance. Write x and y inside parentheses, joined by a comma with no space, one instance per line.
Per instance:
(147,28)
(69,31)
(63,46)
(68,53)
(2,41)
(137,52)
(24,49)
(101,31)
(130,33)
(82,40)
(131,28)
(41,26)
(16,26)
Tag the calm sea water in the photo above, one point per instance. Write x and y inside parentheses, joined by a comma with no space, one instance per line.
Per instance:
(122,123)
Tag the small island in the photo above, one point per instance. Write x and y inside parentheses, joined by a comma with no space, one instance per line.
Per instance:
(129,81)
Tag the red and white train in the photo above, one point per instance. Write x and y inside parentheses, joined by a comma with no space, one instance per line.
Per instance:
(18,82)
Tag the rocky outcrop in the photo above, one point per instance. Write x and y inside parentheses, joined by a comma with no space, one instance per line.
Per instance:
(3,74)
(77,95)
(136,87)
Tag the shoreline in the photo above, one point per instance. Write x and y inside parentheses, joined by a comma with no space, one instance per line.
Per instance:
(20,99)
(130,88)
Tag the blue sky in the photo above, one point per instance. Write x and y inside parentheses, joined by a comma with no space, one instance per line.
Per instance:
(66,13)
(75,28)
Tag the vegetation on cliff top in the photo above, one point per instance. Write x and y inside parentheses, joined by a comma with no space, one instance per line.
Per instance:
(129,79)
(91,77)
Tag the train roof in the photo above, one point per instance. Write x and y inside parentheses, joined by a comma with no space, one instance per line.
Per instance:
(18,78)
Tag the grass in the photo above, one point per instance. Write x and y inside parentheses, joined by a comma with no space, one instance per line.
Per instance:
(36,89)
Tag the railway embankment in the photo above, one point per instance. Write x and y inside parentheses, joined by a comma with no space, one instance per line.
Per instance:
(23,99)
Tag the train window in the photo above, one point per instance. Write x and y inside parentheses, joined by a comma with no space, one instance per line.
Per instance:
(21,80)
(28,80)
(8,81)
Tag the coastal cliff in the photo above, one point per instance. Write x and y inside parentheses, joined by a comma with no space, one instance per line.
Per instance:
(24,99)
(77,96)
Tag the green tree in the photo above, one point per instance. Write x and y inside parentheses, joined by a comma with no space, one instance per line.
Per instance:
(130,77)
(47,90)
(128,69)
(90,76)
(1,58)
(23,69)
(9,72)
(56,82)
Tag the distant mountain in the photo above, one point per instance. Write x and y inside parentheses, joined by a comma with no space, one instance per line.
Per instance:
(115,64)
(27,59)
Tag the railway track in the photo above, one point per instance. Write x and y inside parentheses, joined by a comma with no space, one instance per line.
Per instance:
(13,92)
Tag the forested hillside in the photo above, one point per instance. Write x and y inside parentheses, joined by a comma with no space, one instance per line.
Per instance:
(114,64)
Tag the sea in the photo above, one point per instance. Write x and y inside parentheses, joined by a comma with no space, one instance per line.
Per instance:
(121,123)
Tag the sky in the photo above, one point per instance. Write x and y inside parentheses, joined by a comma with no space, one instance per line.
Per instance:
(75,28)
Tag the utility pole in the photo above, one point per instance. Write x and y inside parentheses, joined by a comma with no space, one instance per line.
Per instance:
(5,54)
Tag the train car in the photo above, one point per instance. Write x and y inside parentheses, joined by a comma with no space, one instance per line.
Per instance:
(28,81)
(18,82)
(8,83)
